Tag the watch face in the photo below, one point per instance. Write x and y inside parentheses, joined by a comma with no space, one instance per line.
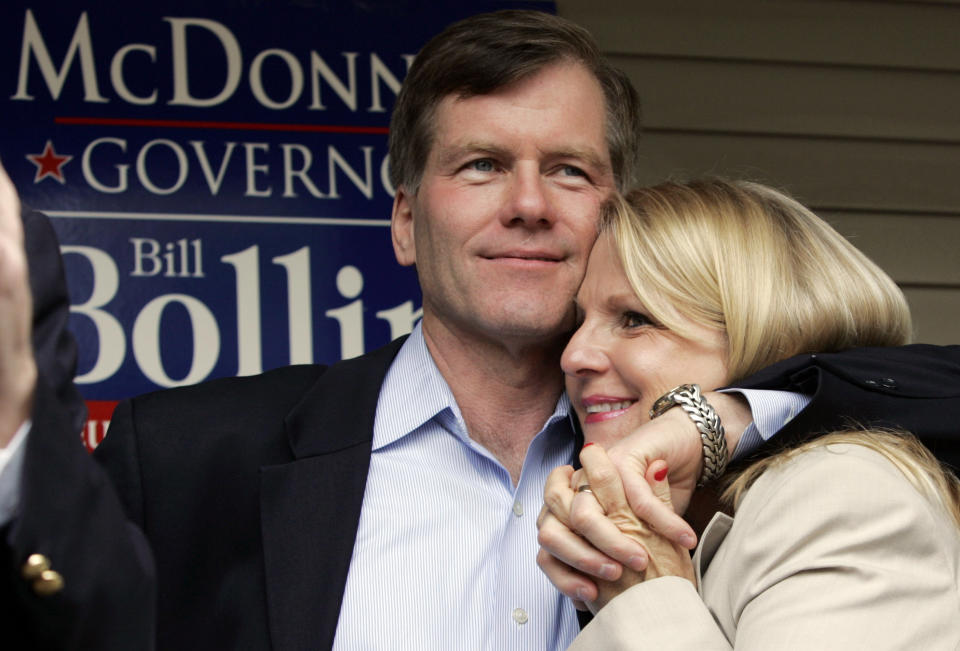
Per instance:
(663,403)
(669,399)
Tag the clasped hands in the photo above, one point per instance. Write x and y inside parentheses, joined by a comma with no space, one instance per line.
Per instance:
(625,530)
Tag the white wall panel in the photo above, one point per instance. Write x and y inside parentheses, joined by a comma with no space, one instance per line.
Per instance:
(854,107)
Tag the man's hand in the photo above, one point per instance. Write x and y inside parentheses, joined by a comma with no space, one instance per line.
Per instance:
(18,370)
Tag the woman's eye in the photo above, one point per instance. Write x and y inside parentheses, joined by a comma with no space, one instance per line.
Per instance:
(635,320)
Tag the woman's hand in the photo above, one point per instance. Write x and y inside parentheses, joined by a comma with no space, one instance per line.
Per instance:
(666,558)
(602,516)
(600,550)
(573,561)
(567,558)
(674,438)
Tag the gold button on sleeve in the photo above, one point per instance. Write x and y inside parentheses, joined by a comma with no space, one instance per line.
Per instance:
(49,583)
(36,565)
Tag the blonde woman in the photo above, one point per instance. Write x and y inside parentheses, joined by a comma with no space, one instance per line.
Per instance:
(849,541)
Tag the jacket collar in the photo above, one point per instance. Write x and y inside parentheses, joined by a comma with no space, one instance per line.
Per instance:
(310,507)
(344,397)
(710,540)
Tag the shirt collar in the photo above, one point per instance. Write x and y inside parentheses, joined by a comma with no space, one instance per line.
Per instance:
(415,392)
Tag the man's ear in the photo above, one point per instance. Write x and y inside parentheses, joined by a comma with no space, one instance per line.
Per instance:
(401,228)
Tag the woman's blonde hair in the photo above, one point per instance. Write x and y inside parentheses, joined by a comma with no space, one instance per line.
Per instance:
(903,450)
(748,260)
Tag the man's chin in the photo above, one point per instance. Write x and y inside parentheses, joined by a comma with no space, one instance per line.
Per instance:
(511,323)
(534,327)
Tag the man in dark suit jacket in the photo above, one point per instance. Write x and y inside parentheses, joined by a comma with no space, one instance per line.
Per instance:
(509,132)
(251,490)
(75,574)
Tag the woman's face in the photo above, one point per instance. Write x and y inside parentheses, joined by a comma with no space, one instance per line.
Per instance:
(619,362)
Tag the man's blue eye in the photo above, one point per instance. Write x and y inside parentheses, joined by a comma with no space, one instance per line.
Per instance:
(570,170)
(482,165)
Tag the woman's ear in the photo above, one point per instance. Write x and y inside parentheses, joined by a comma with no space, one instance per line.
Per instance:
(401,228)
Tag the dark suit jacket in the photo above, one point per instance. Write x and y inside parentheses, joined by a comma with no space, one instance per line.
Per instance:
(250,489)
(68,510)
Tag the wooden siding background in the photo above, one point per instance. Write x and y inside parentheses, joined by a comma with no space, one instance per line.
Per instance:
(852,106)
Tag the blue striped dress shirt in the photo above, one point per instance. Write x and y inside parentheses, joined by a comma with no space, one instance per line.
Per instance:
(445,556)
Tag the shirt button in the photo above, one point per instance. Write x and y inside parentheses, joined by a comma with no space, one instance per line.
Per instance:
(790,416)
(520,616)
(517,508)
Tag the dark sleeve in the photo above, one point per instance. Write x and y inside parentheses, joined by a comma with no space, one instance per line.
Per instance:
(54,347)
(916,388)
(68,510)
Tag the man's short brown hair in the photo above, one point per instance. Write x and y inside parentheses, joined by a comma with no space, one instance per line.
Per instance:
(486,52)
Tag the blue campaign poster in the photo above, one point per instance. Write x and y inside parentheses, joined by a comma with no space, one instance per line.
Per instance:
(217,175)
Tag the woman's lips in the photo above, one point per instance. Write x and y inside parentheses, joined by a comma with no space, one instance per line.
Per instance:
(601,409)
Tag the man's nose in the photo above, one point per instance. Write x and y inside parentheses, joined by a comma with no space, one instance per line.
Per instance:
(529,202)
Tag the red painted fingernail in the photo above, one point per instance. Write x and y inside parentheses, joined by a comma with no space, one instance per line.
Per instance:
(587,445)
(661,475)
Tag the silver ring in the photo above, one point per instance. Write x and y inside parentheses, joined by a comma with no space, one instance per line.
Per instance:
(584,488)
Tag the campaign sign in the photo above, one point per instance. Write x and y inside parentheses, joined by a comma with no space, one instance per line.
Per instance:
(217,175)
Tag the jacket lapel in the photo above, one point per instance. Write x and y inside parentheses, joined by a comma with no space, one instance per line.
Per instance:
(710,540)
(310,507)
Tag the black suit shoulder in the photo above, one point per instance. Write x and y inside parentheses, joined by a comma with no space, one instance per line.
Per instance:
(182,444)
(917,370)
(195,444)
(915,388)
(226,402)
(204,445)
(189,465)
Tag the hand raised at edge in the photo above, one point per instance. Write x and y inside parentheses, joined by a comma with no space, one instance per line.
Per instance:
(18,370)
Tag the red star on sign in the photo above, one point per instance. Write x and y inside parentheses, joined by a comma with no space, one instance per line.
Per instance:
(49,163)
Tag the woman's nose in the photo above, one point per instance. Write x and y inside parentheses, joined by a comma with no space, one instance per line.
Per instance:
(584,353)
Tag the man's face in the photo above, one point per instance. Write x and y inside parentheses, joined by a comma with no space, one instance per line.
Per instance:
(502,224)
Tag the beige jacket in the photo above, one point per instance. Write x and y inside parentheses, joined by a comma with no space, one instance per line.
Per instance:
(832,550)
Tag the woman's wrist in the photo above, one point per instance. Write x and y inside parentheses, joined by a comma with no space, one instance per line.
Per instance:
(734,412)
